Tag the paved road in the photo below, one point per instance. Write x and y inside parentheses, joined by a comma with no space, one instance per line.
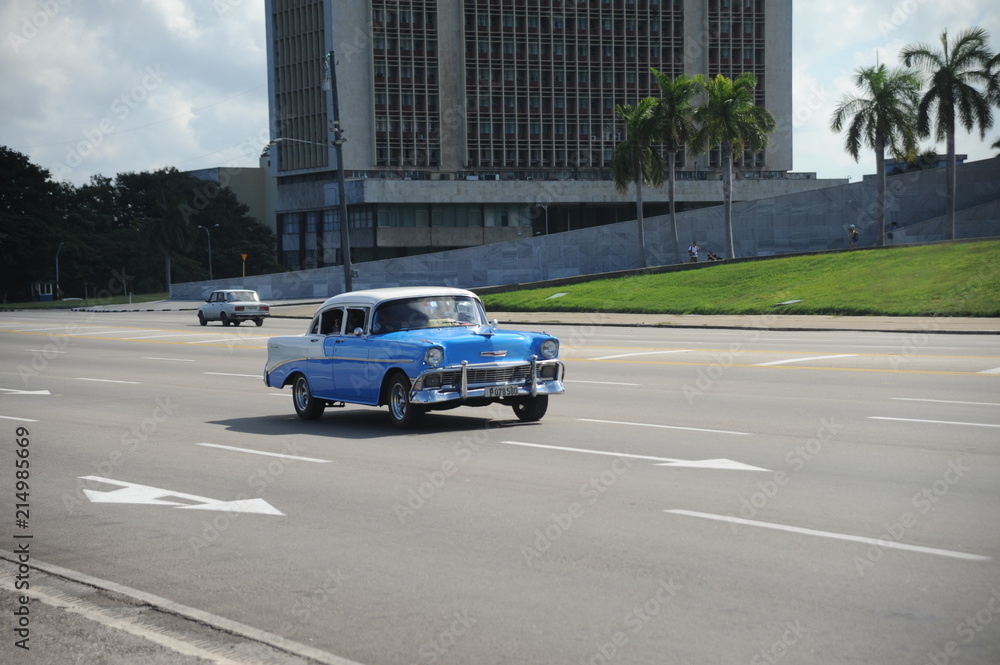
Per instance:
(697,496)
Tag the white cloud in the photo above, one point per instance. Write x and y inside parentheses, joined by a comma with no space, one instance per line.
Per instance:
(76,88)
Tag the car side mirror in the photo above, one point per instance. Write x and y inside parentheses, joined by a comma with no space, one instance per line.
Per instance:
(358,332)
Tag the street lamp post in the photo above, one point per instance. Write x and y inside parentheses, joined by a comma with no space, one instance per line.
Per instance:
(209,232)
(57,269)
(338,143)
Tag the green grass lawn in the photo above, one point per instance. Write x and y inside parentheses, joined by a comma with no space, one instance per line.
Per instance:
(90,302)
(954,279)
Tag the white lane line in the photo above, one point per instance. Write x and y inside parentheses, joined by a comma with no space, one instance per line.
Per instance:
(45,351)
(689,429)
(176,360)
(802,360)
(944,401)
(80,378)
(935,422)
(663,461)
(23,420)
(604,383)
(101,332)
(644,353)
(229,339)
(259,452)
(158,336)
(995,370)
(836,536)
(252,376)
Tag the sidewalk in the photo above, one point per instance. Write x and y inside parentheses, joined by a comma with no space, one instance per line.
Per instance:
(304,309)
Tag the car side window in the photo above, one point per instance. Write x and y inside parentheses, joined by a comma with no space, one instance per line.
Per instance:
(330,321)
(356,319)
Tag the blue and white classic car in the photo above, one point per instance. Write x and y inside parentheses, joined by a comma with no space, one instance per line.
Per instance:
(414,349)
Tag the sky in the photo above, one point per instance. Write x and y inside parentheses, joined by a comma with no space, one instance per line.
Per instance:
(101,87)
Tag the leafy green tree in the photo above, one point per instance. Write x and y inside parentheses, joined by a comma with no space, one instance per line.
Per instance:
(636,160)
(729,119)
(154,202)
(674,113)
(882,117)
(32,208)
(952,95)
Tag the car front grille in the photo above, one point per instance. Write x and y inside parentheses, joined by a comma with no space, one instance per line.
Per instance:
(490,376)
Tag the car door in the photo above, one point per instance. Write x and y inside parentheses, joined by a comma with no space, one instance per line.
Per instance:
(353,377)
(211,308)
(326,330)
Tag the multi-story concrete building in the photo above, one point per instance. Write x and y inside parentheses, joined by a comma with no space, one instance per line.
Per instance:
(476,121)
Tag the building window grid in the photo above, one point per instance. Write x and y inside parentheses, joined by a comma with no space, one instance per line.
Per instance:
(604,40)
(736,45)
(407,127)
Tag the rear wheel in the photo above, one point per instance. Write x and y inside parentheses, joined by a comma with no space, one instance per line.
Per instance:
(201,319)
(224,318)
(259,321)
(404,414)
(306,406)
(531,409)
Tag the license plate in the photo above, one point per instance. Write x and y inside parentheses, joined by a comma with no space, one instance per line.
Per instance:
(501,391)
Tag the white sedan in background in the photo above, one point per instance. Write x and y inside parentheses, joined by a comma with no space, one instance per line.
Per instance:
(233,306)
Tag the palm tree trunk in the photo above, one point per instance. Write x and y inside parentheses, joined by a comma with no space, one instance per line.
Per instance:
(951,168)
(671,180)
(727,197)
(880,189)
(638,214)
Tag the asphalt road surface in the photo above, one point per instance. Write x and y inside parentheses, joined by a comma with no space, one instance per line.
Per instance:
(696,496)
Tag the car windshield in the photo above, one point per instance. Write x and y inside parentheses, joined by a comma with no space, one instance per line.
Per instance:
(427,312)
(242,296)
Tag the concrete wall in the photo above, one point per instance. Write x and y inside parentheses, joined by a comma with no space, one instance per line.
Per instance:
(809,221)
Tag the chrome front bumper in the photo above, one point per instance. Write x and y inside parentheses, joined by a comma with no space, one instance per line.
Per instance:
(464,381)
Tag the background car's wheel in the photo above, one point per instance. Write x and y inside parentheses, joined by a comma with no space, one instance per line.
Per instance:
(259,321)
(306,406)
(237,322)
(224,318)
(201,319)
(531,409)
(404,414)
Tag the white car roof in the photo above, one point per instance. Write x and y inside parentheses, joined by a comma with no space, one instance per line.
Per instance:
(372,297)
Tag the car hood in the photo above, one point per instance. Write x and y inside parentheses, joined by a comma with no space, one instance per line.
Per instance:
(479,344)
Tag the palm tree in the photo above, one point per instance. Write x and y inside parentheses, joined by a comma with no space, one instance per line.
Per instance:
(952,95)
(883,117)
(674,113)
(729,119)
(637,159)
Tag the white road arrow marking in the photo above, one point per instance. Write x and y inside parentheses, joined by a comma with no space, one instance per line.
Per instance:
(13,391)
(144,494)
(726,464)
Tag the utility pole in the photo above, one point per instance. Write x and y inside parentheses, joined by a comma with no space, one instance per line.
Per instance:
(338,144)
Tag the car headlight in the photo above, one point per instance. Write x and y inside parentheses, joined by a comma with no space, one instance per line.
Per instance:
(433,356)
(550,348)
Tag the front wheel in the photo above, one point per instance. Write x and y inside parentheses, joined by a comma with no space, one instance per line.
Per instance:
(201,319)
(404,414)
(531,409)
(306,406)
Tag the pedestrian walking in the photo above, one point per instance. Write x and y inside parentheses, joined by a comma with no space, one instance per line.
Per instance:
(853,235)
